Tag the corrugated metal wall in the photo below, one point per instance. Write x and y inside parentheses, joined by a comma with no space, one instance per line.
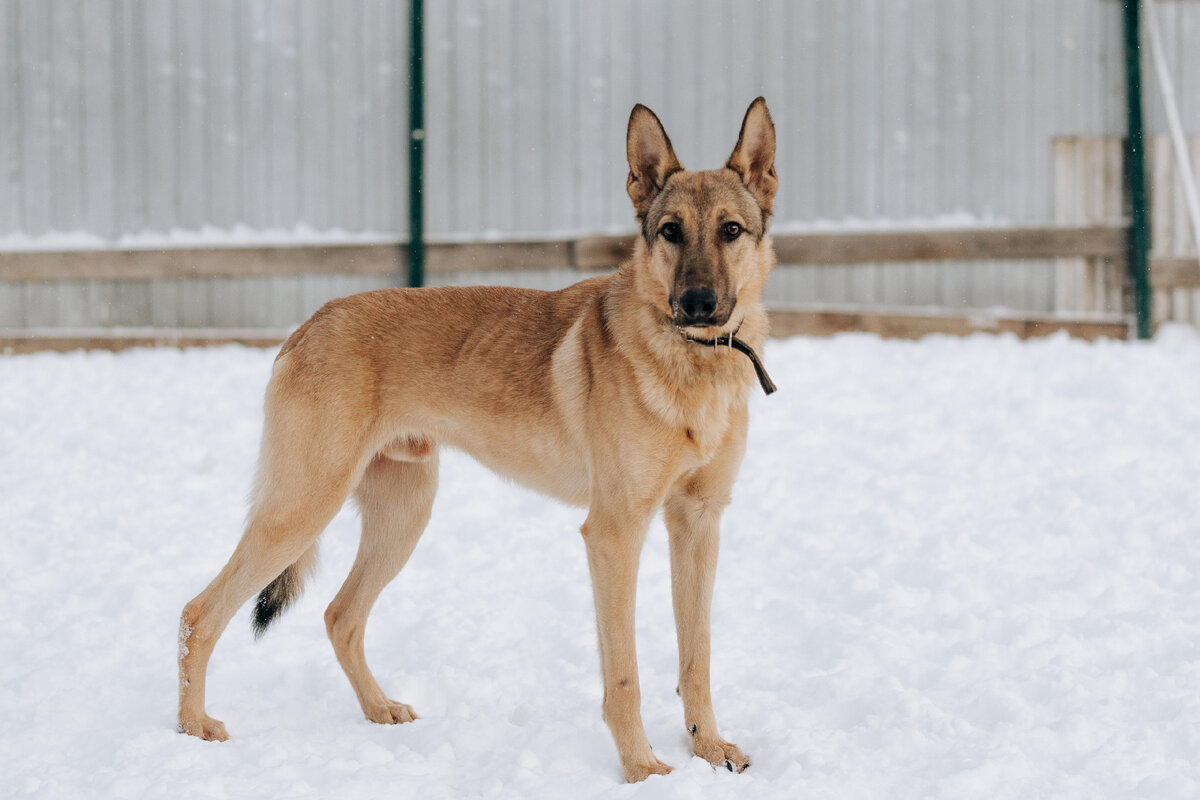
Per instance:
(130,117)
(126,118)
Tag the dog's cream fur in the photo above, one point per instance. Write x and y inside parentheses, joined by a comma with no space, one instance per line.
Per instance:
(592,394)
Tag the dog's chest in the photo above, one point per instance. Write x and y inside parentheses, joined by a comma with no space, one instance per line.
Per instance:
(701,427)
(698,411)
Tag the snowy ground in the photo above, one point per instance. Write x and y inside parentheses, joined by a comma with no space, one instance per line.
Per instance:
(954,568)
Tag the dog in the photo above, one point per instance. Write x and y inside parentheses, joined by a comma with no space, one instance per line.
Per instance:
(624,393)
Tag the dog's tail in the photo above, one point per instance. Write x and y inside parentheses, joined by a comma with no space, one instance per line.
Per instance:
(283,591)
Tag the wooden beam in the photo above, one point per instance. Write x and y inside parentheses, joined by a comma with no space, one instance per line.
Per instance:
(14,341)
(245,262)
(963,244)
(1175,272)
(445,257)
(602,252)
(587,253)
(851,247)
(899,325)
(339,259)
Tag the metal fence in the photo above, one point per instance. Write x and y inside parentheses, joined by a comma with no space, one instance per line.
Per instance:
(141,124)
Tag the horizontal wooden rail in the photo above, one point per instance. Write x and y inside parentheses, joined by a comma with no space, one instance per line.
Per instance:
(215,262)
(1175,272)
(895,324)
(63,340)
(586,253)
(966,244)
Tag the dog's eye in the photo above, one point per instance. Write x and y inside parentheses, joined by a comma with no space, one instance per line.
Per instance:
(670,232)
(731,230)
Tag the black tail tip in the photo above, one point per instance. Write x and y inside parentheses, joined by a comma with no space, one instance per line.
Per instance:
(265,612)
(273,601)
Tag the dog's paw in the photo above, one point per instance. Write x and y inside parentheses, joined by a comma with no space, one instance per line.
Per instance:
(389,712)
(207,728)
(634,773)
(720,753)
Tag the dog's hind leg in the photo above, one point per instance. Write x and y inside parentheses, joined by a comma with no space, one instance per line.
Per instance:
(395,498)
(302,483)
(274,538)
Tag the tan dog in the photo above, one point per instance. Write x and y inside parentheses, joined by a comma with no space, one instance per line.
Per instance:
(600,395)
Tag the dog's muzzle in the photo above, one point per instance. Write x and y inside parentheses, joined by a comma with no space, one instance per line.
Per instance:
(700,307)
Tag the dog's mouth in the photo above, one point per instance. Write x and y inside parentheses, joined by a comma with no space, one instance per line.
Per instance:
(704,334)
(706,331)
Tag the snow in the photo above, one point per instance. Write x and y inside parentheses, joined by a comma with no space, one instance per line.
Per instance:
(955,220)
(952,568)
(209,236)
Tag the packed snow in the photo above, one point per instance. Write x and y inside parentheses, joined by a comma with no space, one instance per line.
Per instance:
(952,568)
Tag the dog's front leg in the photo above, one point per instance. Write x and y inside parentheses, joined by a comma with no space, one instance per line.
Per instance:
(693,514)
(614,543)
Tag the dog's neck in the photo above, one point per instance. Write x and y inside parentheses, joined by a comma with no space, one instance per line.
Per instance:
(626,299)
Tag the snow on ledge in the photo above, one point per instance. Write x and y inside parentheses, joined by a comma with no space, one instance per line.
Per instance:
(952,221)
(299,235)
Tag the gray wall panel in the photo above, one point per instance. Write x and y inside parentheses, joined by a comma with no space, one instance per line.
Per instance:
(126,117)
(11,218)
(130,116)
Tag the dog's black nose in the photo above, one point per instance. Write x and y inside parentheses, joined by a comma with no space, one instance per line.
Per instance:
(698,306)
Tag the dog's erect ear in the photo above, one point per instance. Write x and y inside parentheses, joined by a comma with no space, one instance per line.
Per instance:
(651,159)
(754,156)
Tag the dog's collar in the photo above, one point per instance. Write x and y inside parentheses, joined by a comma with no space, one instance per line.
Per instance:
(730,340)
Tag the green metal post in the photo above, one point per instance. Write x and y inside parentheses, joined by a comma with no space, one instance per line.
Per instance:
(1135,173)
(416,145)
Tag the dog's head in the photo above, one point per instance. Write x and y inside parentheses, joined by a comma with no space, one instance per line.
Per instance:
(705,232)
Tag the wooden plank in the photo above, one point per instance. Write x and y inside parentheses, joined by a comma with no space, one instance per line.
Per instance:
(902,245)
(827,322)
(602,252)
(1160,180)
(1069,272)
(589,253)
(1175,272)
(965,244)
(497,255)
(114,340)
(1195,292)
(359,259)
